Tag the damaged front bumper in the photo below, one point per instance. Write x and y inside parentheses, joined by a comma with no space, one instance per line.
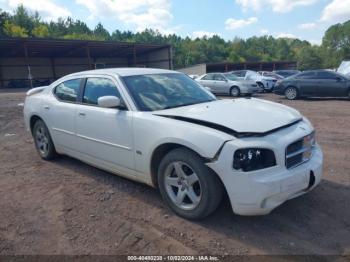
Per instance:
(259,192)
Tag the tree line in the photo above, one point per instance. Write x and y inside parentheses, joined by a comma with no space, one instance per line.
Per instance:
(187,51)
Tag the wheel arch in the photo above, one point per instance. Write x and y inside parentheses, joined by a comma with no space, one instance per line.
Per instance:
(294,86)
(160,151)
(32,121)
(235,86)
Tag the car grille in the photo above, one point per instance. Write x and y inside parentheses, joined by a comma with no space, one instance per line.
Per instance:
(300,151)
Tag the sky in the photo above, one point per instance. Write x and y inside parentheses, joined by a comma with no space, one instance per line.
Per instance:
(303,19)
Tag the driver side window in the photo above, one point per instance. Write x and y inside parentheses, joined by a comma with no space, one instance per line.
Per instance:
(98,87)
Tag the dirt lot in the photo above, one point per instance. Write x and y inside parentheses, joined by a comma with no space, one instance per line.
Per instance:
(67,207)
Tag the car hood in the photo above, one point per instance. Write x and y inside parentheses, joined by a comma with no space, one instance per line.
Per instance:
(244,115)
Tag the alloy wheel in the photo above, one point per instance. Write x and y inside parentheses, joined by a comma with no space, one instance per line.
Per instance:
(235,91)
(42,140)
(182,185)
(291,93)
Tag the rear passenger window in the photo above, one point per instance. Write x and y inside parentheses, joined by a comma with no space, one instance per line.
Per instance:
(68,90)
(98,87)
(307,75)
(326,75)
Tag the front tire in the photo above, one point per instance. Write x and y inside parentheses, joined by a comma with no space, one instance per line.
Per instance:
(235,91)
(187,185)
(291,93)
(42,140)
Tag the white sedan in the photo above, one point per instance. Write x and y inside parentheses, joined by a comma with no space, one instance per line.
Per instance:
(227,84)
(161,128)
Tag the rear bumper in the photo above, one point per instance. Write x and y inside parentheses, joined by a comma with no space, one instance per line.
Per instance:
(250,89)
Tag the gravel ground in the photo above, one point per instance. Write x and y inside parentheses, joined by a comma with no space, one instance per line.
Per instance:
(68,207)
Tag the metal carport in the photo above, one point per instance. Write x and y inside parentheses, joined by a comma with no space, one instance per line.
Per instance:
(27,62)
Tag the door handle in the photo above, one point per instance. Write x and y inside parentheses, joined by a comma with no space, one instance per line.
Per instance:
(46,107)
(82,114)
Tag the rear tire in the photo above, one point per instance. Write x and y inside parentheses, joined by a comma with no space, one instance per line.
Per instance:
(235,91)
(187,185)
(291,93)
(42,140)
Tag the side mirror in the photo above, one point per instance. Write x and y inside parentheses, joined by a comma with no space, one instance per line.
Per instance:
(109,102)
(338,79)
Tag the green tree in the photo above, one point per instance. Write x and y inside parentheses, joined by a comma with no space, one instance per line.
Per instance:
(41,31)
(3,17)
(309,58)
(13,30)
(187,51)
(101,33)
(23,19)
(336,44)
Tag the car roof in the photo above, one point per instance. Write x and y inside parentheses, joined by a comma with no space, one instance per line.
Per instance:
(126,71)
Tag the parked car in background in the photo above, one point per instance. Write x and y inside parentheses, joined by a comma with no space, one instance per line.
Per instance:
(344,68)
(314,83)
(271,74)
(193,76)
(227,84)
(286,73)
(264,82)
(163,129)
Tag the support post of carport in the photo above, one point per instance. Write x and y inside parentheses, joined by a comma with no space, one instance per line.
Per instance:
(88,57)
(30,77)
(170,57)
(134,56)
(1,80)
(53,68)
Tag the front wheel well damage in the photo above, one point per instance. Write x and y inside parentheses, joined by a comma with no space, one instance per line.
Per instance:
(158,155)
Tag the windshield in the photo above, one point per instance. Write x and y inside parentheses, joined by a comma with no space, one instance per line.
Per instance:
(165,91)
(231,77)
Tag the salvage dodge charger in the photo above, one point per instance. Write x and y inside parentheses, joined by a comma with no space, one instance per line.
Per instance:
(161,128)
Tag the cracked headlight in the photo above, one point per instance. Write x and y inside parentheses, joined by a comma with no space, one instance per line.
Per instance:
(251,159)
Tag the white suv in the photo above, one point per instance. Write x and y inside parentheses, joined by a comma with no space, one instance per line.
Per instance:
(264,82)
